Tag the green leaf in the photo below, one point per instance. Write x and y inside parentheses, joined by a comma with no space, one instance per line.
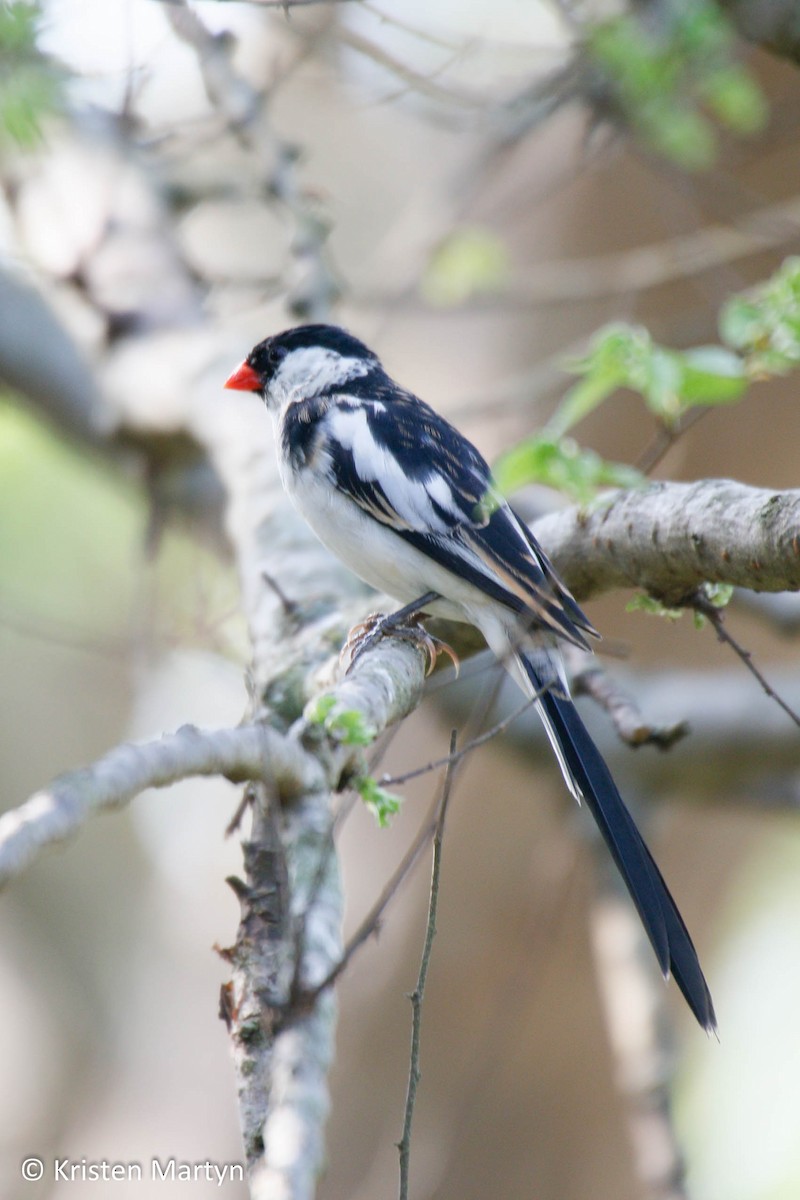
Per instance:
(382,804)
(318,709)
(718,594)
(711,375)
(669,381)
(18,24)
(671,79)
(347,726)
(616,358)
(581,399)
(741,323)
(763,323)
(735,97)
(683,136)
(470,261)
(562,465)
(661,385)
(641,602)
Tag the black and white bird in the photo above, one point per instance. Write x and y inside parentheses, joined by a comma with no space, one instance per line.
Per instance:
(408,503)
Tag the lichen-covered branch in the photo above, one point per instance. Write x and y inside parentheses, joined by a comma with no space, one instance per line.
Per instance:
(382,688)
(668,538)
(60,810)
(289,940)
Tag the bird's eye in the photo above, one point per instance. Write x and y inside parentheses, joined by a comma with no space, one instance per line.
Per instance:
(267,358)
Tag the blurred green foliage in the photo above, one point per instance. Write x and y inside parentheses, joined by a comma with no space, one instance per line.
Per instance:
(760,332)
(670,71)
(471,261)
(382,804)
(31,84)
(763,323)
(562,465)
(669,381)
(718,594)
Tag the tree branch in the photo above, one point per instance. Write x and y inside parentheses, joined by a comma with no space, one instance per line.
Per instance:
(39,358)
(668,538)
(384,686)
(59,812)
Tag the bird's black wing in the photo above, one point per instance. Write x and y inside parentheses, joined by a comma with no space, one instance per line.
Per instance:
(412,470)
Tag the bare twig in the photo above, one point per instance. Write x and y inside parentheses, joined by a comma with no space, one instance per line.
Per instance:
(412,80)
(372,920)
(665,438)
(453,758)
(590,679)
(418,995)
(714,616)
(279,1010)
(313,286)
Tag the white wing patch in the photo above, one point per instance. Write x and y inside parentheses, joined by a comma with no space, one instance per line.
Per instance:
(410,498)
(439,490)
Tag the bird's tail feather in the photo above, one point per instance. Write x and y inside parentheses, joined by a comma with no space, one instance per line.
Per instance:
(589,778)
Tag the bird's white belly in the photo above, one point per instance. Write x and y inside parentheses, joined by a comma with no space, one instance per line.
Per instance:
(373,551)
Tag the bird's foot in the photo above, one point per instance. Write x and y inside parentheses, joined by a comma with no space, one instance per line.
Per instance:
(407,627)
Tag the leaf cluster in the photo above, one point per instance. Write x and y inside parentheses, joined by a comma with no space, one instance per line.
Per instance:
(670,72)
(759,339)
(349,727)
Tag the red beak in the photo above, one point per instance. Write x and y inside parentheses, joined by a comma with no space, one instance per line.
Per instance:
(244,379)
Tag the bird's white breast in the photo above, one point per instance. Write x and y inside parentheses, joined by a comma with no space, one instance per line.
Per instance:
(373,551)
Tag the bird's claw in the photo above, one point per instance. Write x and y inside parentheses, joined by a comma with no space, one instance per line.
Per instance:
(377,626)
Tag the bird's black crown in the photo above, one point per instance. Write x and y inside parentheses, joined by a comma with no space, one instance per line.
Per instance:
(266,357)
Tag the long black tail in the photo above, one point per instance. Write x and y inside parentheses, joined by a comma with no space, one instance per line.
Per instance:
(588,773)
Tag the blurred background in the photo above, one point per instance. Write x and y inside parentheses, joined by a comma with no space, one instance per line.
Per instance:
(474,191)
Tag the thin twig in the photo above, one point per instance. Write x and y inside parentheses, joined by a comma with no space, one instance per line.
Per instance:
(372,920)
(417,996)
(664,439)
(590,679)
(704,606)
(472,744)
(425,85)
